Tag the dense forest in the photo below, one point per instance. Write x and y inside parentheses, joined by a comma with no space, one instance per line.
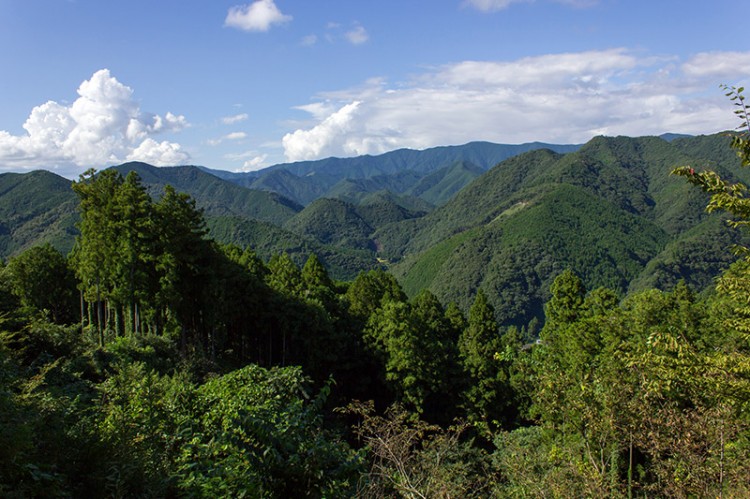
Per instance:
(153,361)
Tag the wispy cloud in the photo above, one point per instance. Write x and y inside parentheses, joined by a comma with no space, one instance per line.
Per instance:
(257,16)
(336,32)
(493,5)
(252,160)
(236,118)
(497,5)
(563,98)
(357,35)
(103,126)
(309,40)
(233,136)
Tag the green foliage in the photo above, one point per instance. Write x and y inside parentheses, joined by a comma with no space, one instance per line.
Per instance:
(141,420)
(487,395)
(257,434)
(415,345)
(566,303)
(515,255)
(42,280)
(370,290)
(284,275)
(268,240)
(440,186)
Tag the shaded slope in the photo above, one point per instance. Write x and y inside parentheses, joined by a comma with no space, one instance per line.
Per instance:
(267,239)
(216,196)
(515,256)
(440,186)
(35,208)
(332,221)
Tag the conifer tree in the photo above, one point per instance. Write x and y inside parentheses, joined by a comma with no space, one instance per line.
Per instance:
(486,392)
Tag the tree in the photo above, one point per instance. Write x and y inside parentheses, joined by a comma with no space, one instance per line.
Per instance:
(486,394)
(136,248)
(568,294)
(95,252)
(284,275)
(182,258)
(370,290)
(413,342)
(41,278)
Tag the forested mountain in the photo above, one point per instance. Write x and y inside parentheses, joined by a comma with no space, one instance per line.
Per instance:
(605,211)
(399,171)
(217,197)
(155,361)
(35,208)
(609,210)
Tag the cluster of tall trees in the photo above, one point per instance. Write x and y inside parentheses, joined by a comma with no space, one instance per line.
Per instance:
(152,361)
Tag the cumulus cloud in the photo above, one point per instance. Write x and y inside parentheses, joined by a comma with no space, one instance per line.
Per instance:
(237,118)
(158,153)
(357,36)
(257,16)
(560,98)
(254,164)
(325,139)
(104,125)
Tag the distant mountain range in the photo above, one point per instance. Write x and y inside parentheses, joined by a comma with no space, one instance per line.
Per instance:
(400,172)
(453,219)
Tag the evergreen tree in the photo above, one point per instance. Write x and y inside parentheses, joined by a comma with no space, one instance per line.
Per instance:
(566,303)
(486,395)
(284,275)
(95,254)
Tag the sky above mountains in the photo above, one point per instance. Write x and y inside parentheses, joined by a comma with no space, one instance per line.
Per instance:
(241,86)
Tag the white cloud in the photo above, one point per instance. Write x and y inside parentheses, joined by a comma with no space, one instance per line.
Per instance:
(104,125)
(357,36)
(559,98)
(158,153)
(251,160)
(254,164)
(496,5)
(325,139)
(229,136)
(718,65)
(237,118)
(257,16)
(492,5)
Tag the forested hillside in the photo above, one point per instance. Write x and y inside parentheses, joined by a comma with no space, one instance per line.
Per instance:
(154,361)
(36,207)
(610,211)
(611,202)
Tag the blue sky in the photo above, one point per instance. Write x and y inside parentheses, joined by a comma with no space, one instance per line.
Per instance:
(240,86)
